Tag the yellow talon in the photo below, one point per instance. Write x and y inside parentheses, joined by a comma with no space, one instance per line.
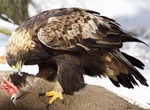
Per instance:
(55,95)
(50,93)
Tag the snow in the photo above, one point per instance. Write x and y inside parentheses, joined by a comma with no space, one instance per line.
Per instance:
(133,15)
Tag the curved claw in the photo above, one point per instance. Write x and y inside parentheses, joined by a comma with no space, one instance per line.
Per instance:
(47,106)
(42,94)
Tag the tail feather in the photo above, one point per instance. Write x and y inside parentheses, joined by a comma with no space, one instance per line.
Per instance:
(127,80)
(116,83)
(134,61)
(117,54)
(124,80)
(131,78)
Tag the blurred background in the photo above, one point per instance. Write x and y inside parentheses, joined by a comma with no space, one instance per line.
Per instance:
(132,15)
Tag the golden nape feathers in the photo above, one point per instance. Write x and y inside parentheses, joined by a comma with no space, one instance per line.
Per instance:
(69,42)
(24,42)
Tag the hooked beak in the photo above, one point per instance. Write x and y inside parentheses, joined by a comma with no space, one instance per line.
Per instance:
(17,68)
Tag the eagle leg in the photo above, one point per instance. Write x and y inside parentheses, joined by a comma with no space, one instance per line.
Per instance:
(56,93)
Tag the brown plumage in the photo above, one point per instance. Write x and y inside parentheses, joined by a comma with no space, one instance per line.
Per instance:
(70,42)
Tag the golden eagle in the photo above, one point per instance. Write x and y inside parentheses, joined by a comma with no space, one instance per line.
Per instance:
(68,43)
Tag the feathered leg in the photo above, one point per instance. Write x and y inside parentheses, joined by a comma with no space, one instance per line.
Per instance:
(69,78)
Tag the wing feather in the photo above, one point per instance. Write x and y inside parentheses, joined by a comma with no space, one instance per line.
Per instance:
(69,28)
(67,31)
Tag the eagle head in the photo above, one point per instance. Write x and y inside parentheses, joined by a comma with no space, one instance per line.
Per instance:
(18,49)
(15,63)
(17,67)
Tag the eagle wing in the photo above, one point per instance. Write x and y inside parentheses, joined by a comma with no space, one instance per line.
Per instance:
(72,28)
